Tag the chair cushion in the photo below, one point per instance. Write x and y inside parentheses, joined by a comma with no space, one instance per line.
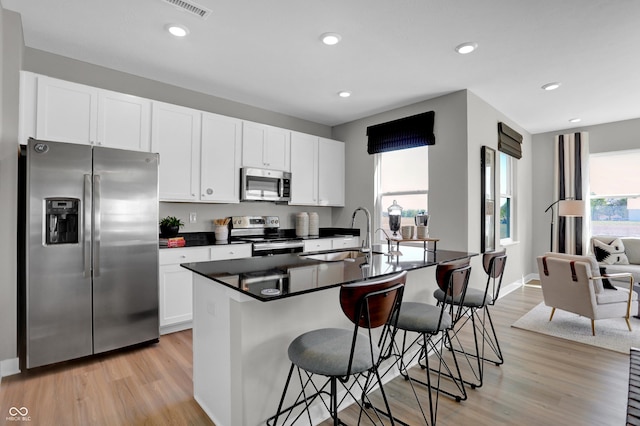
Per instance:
(422,318)
(609,296)
(326,352)
(610,254)
(474,298)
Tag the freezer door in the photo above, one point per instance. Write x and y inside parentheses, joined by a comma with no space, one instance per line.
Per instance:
(58,269)
(125,248)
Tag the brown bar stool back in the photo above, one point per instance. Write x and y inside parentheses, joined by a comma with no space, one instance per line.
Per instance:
(349,357)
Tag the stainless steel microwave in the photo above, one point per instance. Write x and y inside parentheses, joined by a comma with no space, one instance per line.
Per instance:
(265,185)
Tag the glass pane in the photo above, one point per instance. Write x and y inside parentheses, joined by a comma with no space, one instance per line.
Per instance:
(504,174)
(411,205)
(404,170)
(615,193)
(505,217)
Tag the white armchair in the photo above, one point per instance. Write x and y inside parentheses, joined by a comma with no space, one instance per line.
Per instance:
(573,283)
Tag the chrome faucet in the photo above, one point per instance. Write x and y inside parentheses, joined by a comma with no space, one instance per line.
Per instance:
(366,244)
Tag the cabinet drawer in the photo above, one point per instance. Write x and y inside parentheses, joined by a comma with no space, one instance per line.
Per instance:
(183,255)
(317,245)
(346,242)
(233,251)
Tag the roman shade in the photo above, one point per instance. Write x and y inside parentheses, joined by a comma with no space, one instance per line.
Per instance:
(408,132)
(509,141)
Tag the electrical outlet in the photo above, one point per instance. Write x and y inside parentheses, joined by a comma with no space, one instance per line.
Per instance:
(193,217)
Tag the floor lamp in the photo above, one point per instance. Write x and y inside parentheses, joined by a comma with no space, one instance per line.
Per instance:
(567,207)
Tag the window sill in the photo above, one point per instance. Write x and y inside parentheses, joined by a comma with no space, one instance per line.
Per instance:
(507,243)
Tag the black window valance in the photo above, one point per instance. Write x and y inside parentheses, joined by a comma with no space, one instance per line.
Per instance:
(509,141)
(408,132)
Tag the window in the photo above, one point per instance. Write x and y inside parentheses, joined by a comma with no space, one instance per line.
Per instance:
(507,198)
(615,193)
(403,176)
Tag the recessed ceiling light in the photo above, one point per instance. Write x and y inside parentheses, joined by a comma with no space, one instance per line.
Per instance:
(575,120)
(330,38)
(177,30)
(551,86)
(467,47)
(344,94)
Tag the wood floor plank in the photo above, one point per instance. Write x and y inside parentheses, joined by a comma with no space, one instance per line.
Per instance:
(544,381)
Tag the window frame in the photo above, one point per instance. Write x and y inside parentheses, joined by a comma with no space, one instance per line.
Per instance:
(378,219)
(509,193)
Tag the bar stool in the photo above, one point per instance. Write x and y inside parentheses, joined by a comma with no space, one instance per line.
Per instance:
(476,307)
(432,325)
(348,357)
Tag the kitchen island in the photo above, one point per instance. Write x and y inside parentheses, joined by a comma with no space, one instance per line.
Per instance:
(247,311)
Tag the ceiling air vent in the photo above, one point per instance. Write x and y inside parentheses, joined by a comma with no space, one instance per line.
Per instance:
(191,7)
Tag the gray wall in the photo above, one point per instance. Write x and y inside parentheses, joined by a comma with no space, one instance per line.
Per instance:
(64,68)
(463,123)
(10,62)
(608,137)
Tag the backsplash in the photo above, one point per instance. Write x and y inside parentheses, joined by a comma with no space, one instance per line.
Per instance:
(205,213)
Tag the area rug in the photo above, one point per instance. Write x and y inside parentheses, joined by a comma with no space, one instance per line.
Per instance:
(611,334)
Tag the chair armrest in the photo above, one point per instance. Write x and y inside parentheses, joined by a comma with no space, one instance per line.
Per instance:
(616,275)
(621,275)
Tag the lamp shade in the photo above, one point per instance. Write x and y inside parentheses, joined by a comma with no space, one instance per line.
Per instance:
(571,208)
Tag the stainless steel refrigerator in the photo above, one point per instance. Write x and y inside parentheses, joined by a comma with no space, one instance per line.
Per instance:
(89,263)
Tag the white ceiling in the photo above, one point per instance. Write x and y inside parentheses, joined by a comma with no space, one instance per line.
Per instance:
(393,52)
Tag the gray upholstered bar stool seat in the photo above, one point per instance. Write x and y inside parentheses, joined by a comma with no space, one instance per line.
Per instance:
(476,308)
(347,357)
(326,352)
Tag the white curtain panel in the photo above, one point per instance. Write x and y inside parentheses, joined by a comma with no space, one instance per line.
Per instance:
(571,180)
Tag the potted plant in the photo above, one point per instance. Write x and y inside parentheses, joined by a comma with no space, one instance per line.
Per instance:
(170,226)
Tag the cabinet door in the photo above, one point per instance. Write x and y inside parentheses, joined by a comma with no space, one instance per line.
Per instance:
(265,147)
(304,166)
(276,149)
(175,135)
(124,121)
(66,112)
(220,159)
(252,144)
(317,245)
(176,294)
(330,172)
(345,242)
(230,251)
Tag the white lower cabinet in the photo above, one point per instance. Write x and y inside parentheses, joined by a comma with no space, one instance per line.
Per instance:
(345,242)
(318,244)
(176,283)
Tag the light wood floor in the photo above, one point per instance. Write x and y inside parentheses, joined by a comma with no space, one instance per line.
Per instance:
(544,381)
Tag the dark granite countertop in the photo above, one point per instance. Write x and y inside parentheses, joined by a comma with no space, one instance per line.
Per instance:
(288,275)
(195,239)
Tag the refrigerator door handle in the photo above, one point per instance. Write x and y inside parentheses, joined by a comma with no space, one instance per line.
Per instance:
(96,225)
(86,246)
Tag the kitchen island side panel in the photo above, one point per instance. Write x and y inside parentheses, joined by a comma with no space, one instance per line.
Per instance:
(240,345)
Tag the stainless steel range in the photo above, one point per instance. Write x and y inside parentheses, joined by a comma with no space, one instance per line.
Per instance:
(264,232)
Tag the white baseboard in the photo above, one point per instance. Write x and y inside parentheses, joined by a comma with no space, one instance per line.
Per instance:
(9,367)
(506,289)
(176,327)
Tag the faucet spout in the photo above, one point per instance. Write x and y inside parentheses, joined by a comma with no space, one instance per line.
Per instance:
(366,244)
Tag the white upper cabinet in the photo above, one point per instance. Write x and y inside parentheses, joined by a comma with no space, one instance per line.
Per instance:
(175,135)
(265,147)
(304,169)
(331,172)
(62,111)
(124,121)
(66,112)
(317,171)
(220,159)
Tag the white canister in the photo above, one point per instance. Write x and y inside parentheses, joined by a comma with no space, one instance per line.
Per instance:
(221,232)
(314,224)
(302,224)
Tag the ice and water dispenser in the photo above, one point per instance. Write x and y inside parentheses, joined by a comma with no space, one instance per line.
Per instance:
(61,220)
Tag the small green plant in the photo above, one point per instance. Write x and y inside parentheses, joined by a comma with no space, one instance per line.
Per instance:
(171,221)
